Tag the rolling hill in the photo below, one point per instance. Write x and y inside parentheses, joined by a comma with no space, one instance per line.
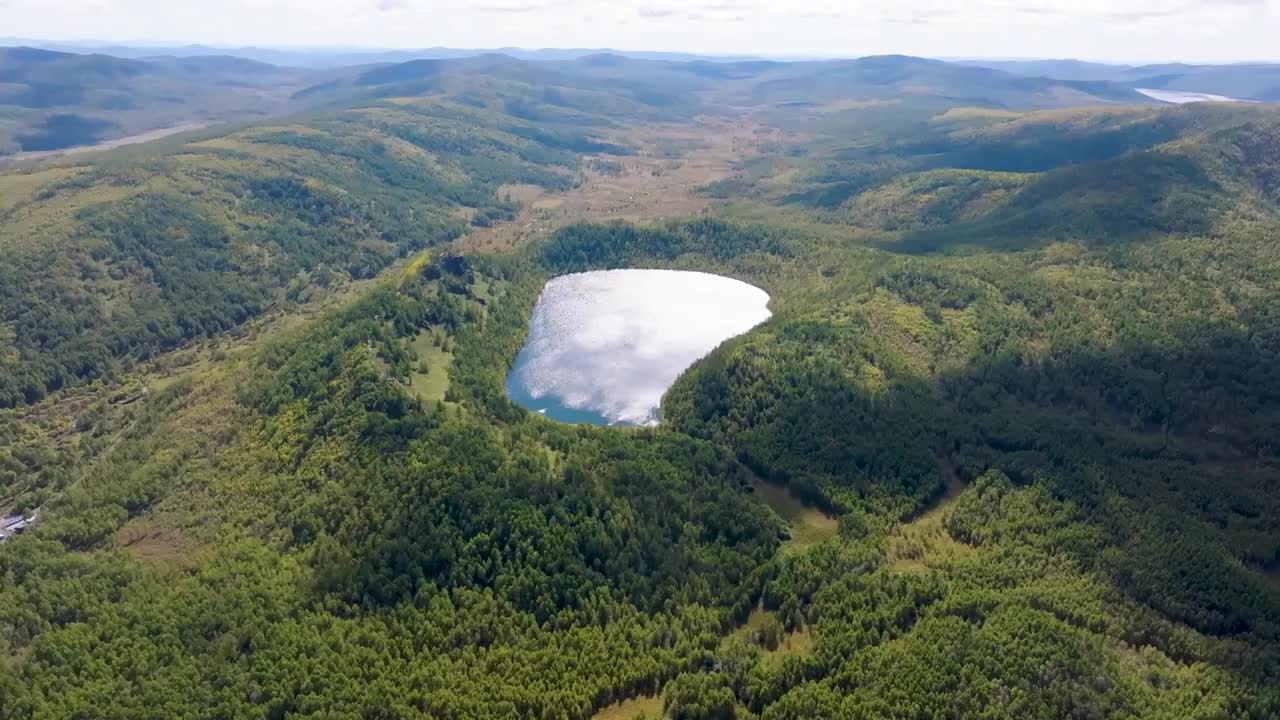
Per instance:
(907,78)
(51,100)
(1006,449)
(1245,81)
(260,214)
(54,100)
(670,84)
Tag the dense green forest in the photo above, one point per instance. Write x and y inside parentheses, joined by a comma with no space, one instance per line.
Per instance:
(112,263)
(1006,449)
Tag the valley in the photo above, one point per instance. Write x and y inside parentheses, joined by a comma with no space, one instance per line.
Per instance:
(1006,446)
(34,155)
(660,181)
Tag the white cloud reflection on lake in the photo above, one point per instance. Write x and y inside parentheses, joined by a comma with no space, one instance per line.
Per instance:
(610,343)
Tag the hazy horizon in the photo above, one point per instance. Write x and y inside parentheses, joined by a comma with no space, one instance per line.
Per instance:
(98,44)
(1116,31)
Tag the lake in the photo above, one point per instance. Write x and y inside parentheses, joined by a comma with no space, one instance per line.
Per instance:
(604,347)
(1178,97)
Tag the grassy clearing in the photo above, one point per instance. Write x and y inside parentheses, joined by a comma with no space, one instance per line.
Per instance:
(793,643)
(155,549)
(19,188)
(796,643)
(924,543)
(762,623)
(432,385)
(648,706)
(154,545)
(756,622)
(658,183)
(808,525)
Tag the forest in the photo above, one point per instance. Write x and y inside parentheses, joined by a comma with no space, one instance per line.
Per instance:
(1006,449)
(196,243)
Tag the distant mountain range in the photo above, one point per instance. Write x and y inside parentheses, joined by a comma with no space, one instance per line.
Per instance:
(53,100)
(1251,81)
(709,87)
(341,57)
(66,95)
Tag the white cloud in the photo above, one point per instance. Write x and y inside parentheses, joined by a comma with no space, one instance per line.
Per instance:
(1099,29)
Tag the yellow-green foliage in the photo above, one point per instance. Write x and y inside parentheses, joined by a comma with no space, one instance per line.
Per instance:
(806,526)
(924,542)
(431,385)
(937,197)
(145,250)
(648,707)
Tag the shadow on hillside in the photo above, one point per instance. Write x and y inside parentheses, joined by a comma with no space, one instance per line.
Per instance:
(1168,452)
(1122,200)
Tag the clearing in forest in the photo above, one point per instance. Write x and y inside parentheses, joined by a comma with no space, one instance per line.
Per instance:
(661,181)
(431,373)
(648,706)
(761,623)
(808,525)
(924,542)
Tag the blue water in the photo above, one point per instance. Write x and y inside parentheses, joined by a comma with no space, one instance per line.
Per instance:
(550,406)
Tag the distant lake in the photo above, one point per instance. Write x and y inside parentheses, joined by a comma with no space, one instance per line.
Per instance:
(1178,97)
(604,347)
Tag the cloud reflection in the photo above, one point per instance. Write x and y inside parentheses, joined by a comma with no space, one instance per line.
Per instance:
(612,342)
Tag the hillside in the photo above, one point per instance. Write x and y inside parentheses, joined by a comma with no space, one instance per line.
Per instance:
(55,100)
(111,263)
(907,78)
(1006,449)
(710,86)
(1245,81)
(51,100)
(584,91)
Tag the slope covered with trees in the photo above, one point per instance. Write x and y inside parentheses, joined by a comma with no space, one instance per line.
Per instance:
(1030,393)
(113,262)
(56,100)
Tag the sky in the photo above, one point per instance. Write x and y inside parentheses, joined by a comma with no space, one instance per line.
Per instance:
(1114,30)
